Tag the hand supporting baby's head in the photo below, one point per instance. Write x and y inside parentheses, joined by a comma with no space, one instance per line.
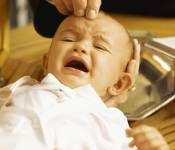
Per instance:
(92,52)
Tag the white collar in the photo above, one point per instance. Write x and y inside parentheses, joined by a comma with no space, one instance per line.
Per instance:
(53,83)
(85,91)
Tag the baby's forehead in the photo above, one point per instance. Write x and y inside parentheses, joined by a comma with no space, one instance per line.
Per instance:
(101,23)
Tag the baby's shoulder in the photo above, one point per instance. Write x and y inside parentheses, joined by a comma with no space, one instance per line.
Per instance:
(33,95)
(116,116)
(24,92)
(6,92)
(29,87)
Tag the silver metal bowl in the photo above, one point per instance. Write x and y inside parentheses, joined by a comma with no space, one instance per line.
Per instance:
(155,86)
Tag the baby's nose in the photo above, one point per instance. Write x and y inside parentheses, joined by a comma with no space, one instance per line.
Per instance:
(80,50)
(82,47)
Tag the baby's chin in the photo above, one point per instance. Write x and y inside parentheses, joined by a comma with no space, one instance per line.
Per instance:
(72,81)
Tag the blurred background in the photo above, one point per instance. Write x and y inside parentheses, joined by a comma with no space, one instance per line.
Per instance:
(20,12)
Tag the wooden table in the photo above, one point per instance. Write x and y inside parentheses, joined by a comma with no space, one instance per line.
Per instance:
(27,49)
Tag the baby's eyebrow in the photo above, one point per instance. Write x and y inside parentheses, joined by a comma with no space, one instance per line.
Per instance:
(102,37)
(69,31)
(74,29)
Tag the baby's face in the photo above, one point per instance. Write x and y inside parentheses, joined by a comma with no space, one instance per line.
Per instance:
(87,52)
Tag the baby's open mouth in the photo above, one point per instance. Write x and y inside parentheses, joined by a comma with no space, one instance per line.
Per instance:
(78,64)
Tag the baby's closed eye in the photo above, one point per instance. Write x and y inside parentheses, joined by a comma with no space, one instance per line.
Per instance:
(68,39)
(101,47)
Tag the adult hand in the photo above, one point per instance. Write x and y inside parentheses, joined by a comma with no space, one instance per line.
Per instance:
(87,8)
(133,69)
(133,65)
(147,138)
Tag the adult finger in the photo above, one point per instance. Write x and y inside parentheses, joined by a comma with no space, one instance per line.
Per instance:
(136,49)
(59,4)
(136,55)
(133,65)
(146,138)
(69,5)
(135,61)
(131,69)
(79,7)
(139,131)
(142,129)
(92,8)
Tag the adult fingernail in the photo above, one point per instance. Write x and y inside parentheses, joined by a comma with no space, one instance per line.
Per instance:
(79,12)
(91,14)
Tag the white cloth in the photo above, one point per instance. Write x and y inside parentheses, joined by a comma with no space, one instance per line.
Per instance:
(51,116)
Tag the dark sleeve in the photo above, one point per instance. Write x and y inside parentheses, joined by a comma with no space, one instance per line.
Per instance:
(47,18)
(158,8)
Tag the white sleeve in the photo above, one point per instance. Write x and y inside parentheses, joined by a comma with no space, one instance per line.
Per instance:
(16,131)
(20,127)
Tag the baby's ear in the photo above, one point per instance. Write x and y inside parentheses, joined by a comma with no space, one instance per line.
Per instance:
(123,84)
(45,61)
